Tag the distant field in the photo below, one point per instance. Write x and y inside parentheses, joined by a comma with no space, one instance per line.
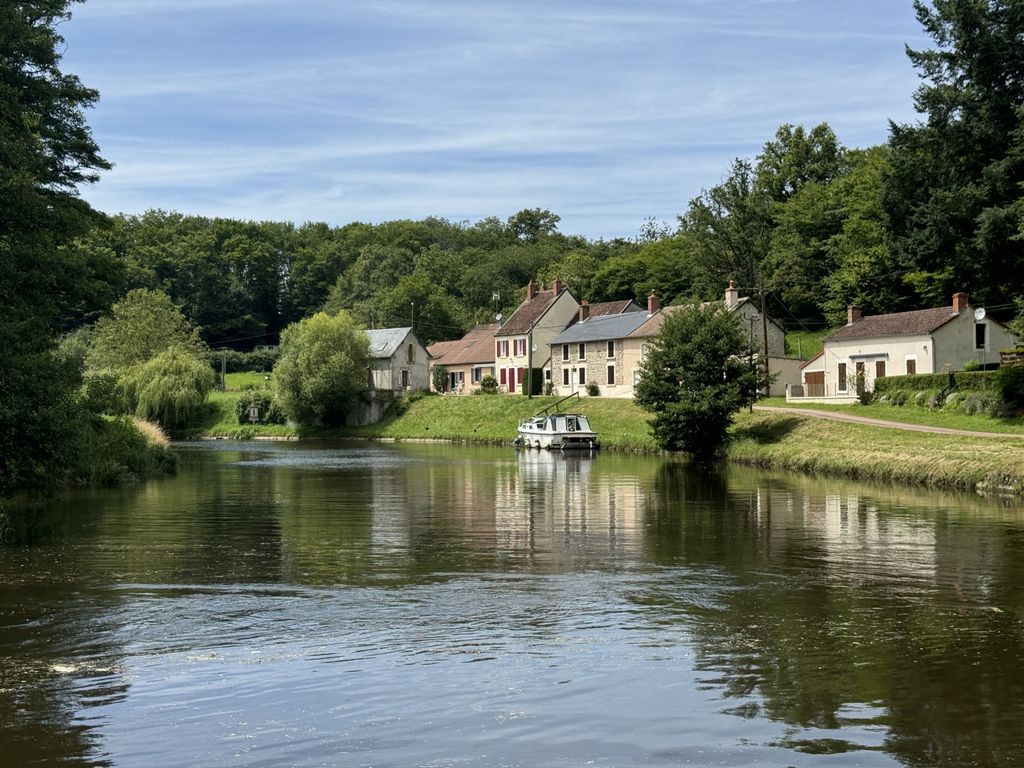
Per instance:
(804,344)
(235,381)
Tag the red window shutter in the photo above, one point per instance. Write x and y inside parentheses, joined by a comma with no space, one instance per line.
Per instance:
(519,375)
(504,376)
(497,349)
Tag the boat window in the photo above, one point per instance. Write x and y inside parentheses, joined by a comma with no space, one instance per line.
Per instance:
(570,424)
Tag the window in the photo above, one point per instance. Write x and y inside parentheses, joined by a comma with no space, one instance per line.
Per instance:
(583,375)
(503,348)
(911,366)
(519,347)
(636,376)
(611,349)
(405,378)
(859,377)
(611,374)
(880,369)
(979,335)
(582,351)
(565,377)
(412,354)
(547,374)
(477,375)
(842,378)
(565,352)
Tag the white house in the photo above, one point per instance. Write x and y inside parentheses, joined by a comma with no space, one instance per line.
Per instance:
(398,362)
(901,343)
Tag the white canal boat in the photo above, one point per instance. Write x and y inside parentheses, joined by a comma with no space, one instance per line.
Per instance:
(559,431)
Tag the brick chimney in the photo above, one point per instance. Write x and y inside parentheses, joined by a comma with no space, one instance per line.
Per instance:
(853,314)
(653,305)
(584,310)
(732,296)
(960,301)
(531,291)
(556,286)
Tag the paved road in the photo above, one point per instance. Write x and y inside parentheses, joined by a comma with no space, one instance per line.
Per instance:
(835,416)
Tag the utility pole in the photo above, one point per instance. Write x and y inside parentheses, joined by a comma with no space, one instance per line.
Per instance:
(223,369)
(529,365)
(412,315)
(764,328)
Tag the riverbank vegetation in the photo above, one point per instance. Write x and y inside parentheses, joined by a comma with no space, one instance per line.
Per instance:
(808,224)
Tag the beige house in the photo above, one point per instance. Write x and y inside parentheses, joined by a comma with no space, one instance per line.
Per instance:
(398,362)
(591,349)
(524,340)
(898,344)
(468,359)
(785,370)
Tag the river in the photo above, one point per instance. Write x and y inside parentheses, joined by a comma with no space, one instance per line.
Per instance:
(282,604)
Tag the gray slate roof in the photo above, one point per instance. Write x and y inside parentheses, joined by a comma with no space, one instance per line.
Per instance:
(602,328)
(385,341)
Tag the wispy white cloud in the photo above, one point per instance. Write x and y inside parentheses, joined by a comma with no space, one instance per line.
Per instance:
(604,111)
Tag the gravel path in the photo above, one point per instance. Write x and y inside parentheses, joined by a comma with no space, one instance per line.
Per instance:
(834,416)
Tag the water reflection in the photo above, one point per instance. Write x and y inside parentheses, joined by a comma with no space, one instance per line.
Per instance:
(398,605)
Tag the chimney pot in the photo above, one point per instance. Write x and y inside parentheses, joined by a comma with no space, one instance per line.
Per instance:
(853,314)
(584,310)
(653,305)
(732,296)
(960,301)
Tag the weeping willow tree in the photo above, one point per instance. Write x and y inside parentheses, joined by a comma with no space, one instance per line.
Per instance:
(170,388)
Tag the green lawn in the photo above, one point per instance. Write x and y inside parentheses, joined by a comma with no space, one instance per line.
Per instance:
(804,344)
(235,381)
(912,414)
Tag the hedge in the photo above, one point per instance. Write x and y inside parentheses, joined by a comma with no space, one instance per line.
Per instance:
(974,381)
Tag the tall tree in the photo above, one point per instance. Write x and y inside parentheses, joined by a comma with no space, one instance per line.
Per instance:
(46,152)
(696,375)
(953,197)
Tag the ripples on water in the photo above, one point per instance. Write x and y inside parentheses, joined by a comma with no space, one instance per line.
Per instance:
(430,606)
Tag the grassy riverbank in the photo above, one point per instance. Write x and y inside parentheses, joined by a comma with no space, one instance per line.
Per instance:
(790,442)
(793,442)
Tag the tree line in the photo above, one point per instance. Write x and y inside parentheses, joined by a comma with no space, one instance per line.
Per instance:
(808,222)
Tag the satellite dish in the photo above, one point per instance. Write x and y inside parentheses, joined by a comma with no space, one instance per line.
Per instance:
(534,347)
(498,317)
(979,314)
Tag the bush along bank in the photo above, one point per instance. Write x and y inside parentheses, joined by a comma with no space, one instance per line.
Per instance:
(123,450)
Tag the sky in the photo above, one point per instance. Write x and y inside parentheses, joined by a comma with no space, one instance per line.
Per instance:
(605,112)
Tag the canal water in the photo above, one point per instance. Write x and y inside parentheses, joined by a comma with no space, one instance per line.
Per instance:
(281,604)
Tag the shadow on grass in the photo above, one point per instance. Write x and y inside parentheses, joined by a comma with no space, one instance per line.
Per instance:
(768,430)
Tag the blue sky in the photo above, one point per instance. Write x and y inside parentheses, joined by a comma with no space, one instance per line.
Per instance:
(604,112)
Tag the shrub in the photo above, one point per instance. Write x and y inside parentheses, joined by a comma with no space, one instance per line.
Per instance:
(119,452)
(170,389)
(322,370)
(953,401)
(971,365)
(975,403)
(549,388)
(261,399)
(592,389)
(898,397)
(488,385)
(1009,382)
(439,378)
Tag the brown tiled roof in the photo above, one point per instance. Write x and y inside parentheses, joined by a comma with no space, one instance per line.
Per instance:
(653,325)
(611,307)
(477,346)
(917,323)
(528,313)
(438,348)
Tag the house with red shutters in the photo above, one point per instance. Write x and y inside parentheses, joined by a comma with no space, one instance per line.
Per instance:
(523,342)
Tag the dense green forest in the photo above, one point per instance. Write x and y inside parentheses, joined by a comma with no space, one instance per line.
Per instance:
(812,224)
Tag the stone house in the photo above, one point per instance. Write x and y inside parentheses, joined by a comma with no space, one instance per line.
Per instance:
(591,349)
(398,362)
